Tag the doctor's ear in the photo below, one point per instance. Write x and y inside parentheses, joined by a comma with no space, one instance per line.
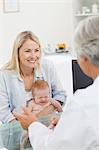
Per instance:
(86,59)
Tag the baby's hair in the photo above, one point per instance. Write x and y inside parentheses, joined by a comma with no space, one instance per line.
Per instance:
(39,85)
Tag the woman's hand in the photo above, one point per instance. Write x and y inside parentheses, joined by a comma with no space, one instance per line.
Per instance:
(25,119)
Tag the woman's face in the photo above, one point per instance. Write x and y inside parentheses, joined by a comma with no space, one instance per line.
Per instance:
(29,54)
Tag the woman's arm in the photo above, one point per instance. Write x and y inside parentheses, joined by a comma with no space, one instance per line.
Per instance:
(5,110)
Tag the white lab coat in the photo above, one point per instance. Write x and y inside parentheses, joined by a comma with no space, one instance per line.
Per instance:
(78,128)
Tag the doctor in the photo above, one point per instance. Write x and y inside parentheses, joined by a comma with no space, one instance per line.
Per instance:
(78,127)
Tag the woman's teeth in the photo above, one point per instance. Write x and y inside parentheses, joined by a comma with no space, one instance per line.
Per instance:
(32,61)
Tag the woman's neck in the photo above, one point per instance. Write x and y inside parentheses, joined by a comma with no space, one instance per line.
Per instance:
(26,72)
(28,77)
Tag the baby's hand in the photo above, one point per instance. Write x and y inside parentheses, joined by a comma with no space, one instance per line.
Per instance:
(54,122)
(57,105)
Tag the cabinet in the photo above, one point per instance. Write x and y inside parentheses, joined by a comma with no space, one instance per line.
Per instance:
(84,8)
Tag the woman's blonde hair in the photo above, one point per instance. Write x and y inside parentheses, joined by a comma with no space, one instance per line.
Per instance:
(13,64)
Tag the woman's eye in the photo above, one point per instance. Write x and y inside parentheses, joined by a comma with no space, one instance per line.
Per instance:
(36,50)
(28,50)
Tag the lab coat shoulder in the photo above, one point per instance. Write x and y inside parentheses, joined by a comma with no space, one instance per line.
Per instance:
(88,96)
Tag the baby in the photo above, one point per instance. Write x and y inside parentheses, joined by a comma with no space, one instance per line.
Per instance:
(41,100)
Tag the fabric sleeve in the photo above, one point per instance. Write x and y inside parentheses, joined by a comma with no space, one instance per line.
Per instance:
(5,111)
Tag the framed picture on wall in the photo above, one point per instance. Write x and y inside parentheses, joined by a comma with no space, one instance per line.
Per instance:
(10,6)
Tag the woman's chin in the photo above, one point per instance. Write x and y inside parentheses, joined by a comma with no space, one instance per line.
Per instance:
(31,65)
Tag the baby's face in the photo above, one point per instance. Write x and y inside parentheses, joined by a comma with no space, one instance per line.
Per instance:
(42,96)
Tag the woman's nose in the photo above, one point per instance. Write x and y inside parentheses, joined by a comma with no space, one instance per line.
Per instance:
(33,53)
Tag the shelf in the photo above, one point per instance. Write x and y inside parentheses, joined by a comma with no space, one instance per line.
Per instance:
(87,14)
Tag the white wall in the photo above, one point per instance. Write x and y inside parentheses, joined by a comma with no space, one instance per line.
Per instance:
(65,73)
(50,20)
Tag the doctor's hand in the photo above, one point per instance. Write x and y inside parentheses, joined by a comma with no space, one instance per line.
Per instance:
(25,119)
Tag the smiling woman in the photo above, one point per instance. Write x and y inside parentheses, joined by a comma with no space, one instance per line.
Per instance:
(16,80)
(29,56)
